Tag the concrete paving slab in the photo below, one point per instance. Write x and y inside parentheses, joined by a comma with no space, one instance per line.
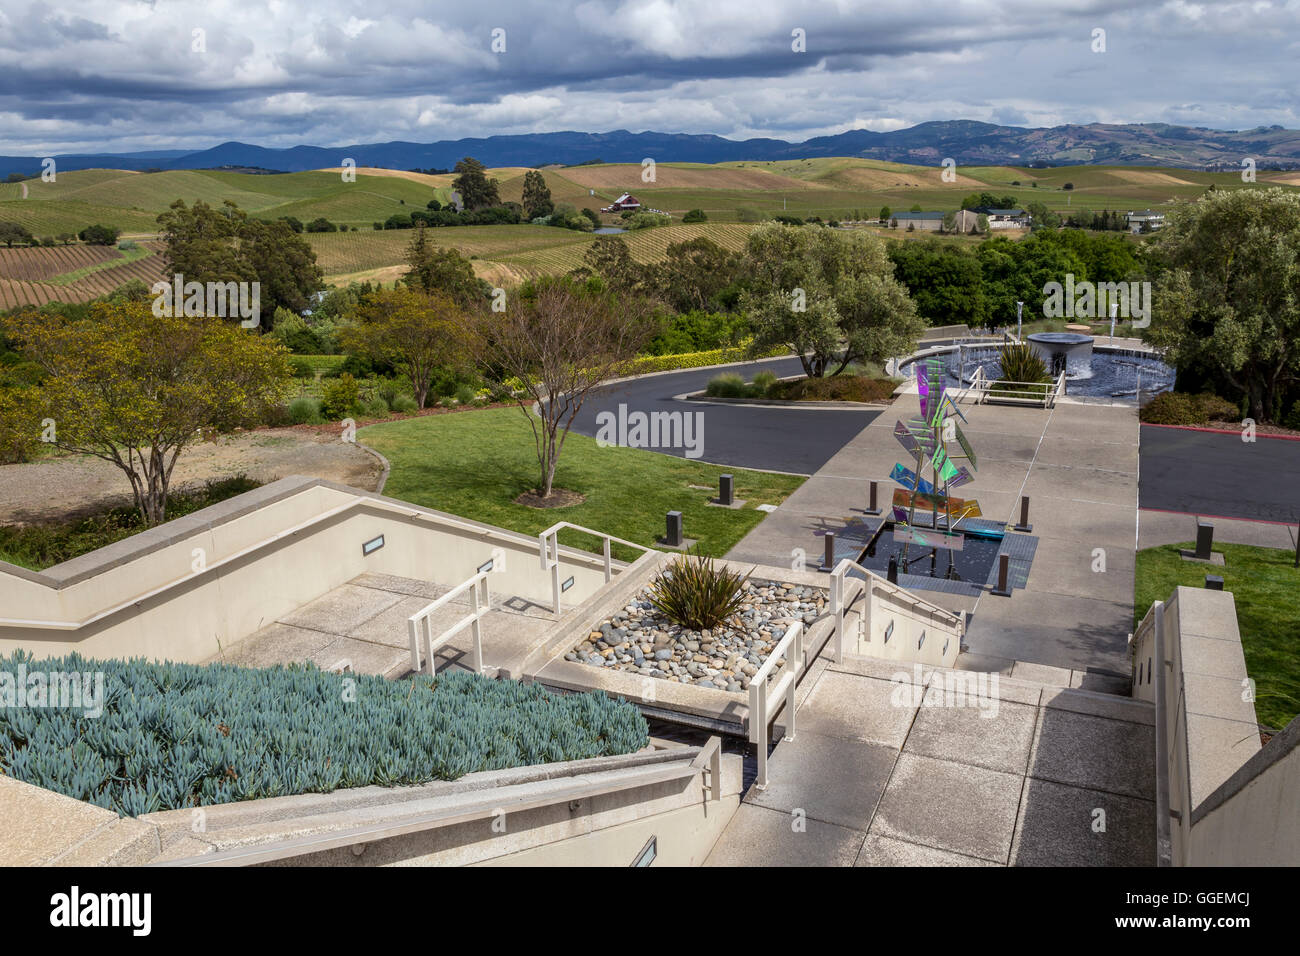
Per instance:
(950,806)
(1114,456)
(390,625)
(1214,658)
(1106,525)
(1041,674)
(275,644)
(883,851)
(1062,826)
(1085,485)
(1086,751)
(858,708)
(997,737)
(830,779)
(1204,614)
(365,657)
(1223,747)
(400,585)
(1208,696)
(341,610)
(1024,627)
(1082,701)
(1166,527)
(1069,571)
(757,836)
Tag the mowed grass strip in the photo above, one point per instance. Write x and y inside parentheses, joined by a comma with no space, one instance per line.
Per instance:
(476,463)
(1264,585)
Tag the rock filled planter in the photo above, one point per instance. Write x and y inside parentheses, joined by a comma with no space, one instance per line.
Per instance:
(639,640)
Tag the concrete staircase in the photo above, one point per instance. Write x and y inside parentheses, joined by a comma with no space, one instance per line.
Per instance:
(363,625)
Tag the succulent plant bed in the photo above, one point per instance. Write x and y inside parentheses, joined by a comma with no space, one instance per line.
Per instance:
(640,640)
(162,736)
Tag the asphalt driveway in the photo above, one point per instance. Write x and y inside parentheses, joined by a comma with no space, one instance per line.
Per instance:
(766,437)
(1215,474)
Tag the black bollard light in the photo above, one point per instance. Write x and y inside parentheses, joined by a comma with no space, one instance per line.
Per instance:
(1214,582)
(828,558)
(726,490)
(1024,515)
(1004,572)
(892,573)
(673,531)
(1204,539)
(873,508)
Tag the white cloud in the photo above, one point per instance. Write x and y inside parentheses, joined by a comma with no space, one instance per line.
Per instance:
(112,74)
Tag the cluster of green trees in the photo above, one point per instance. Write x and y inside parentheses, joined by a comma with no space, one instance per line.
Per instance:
(12,233)
(976,201)
(980,285)
(1226,298)
(205,244)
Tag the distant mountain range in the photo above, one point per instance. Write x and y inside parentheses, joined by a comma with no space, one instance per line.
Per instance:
(968,142)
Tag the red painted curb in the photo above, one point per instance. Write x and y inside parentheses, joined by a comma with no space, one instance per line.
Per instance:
(1218,431)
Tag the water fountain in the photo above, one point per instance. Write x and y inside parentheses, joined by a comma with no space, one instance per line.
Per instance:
(1068,352)
(1104,370)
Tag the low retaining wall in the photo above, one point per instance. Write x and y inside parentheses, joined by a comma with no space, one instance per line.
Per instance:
(1221,798)
(590,812)
(188,588)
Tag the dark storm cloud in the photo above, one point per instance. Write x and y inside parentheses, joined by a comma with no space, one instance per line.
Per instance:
(132,75)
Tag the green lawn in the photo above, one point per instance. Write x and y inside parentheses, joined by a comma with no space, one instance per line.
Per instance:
(1264,585)
(475,463)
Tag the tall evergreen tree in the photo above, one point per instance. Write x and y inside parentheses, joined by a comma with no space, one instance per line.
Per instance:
(537,195)
(475,189)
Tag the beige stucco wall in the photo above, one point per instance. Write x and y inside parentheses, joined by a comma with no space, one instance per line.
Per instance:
(942,641)
(202,605)
(1230,802)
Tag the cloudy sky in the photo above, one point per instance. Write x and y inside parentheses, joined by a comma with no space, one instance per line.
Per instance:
(108,75)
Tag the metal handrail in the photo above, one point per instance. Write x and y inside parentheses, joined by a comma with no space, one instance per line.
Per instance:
(1051,391)
(789,647)
(418,623)
(548,546)
(977,385)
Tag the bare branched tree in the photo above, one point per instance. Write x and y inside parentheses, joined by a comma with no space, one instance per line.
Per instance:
(560,338)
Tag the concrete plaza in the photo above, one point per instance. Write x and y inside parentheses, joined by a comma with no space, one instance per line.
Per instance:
(882,772)
(1078,463)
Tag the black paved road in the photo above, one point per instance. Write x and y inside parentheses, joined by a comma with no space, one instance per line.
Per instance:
(1210,473)
(798,440)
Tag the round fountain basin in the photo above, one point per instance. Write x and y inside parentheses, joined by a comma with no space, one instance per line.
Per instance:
(1068,352)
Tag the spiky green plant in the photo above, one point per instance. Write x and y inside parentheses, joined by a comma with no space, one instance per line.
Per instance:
(1020,363)
(1021,366)
(695,593)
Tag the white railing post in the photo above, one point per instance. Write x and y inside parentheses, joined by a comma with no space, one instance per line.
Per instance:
(426,626)
(758,712)
(420,624)
(609,563)
(868,596)
(412,632)
(837,608)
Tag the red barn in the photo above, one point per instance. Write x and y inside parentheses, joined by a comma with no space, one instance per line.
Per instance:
(623,202)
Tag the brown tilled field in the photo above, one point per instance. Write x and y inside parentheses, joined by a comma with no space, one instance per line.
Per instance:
(39,264)
(866,178)
(628,176)
(26,274)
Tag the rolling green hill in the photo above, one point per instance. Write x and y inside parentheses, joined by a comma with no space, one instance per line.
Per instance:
(829,187)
